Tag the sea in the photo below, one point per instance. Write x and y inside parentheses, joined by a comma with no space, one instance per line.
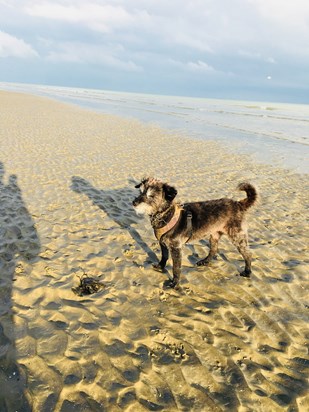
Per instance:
(273,133)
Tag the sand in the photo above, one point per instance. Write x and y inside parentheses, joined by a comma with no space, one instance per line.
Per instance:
(221,343)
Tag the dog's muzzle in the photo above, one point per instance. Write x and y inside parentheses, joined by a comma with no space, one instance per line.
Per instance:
(138,200)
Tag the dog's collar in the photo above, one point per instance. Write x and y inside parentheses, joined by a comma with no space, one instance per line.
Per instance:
(162,230)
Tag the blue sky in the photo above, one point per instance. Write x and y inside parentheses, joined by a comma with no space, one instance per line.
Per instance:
(238,49)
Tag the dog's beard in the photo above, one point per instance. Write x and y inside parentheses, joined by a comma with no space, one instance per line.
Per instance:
(143,209)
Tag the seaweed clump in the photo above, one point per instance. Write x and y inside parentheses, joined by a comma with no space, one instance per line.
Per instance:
(87,286)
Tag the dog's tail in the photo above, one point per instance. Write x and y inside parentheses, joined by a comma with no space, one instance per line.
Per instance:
(252,195)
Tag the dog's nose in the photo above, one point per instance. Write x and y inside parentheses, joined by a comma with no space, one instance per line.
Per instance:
(134,203)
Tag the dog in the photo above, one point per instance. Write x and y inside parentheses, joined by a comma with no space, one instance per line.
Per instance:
(175,225)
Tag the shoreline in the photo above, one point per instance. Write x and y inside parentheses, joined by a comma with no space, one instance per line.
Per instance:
(221,343)
(285,147)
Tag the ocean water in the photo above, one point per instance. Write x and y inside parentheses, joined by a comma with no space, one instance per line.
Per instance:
(274,133)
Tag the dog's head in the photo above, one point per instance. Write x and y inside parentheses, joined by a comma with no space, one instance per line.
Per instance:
(155,196)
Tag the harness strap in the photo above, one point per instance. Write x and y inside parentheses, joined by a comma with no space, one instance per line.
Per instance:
(178,209)
(189,225)
(162,230)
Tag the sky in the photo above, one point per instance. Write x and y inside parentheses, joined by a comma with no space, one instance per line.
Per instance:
(234,49)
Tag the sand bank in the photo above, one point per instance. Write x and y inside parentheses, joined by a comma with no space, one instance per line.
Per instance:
(222,343)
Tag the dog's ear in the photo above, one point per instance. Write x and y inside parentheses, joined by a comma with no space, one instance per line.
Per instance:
(143,182)
(169,192)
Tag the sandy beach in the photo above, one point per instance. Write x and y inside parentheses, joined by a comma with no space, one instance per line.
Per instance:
(220,343)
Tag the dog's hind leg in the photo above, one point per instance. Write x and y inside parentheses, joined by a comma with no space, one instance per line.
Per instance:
(164,257)
(241,242)
(213,241)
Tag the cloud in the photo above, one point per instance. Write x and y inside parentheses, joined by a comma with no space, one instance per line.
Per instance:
(200,66)
(76,52)
(200,26)
(256,56)
(285,25)
(284,13)
(11,46)
(100,16)
(199,41)
(97,16)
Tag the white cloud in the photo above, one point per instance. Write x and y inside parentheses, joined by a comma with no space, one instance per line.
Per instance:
(200,66)
(256,56)
(97,16)
(203,26)
(186,39)
(11,46)
(173,39)
(284,25)
(195,66)
(284,12)
(92,54)
(250,54)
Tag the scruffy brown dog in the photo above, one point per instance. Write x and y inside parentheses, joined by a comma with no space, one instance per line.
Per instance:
(175,224)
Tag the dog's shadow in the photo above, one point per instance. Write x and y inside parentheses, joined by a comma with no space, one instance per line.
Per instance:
(117,204)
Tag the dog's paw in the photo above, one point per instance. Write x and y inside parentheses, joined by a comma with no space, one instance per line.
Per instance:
(245,274)
(203,262)
(157,267)
(171,284)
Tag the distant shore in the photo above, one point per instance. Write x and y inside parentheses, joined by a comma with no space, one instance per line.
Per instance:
(221,343)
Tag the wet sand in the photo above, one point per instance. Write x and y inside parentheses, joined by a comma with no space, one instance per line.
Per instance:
(221,343)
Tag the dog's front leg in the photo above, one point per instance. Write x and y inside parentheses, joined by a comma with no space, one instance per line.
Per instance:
(176,257)
(164,257)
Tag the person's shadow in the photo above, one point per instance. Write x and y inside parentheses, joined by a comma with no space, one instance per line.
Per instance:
(18,241)
(117,204)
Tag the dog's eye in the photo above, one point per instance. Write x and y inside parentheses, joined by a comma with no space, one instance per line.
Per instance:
(150,194)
